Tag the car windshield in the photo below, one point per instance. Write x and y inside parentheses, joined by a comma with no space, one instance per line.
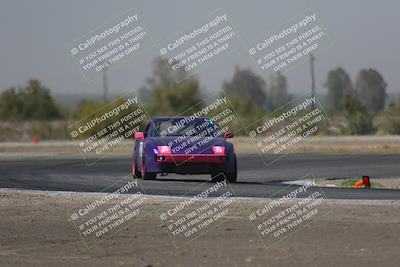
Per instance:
(184,126)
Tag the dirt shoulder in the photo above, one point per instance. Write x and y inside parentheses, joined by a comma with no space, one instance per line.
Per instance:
(334,144)
(35,231)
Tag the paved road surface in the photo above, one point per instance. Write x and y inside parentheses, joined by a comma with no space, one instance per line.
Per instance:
(66,173)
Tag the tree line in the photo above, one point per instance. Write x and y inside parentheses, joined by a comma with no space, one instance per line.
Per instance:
(358,102)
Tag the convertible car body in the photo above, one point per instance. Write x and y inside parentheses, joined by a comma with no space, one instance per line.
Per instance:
(183,145)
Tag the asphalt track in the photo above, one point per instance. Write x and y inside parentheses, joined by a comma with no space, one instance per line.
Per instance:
(67,173)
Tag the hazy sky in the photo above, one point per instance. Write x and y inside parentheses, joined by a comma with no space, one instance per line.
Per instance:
(35,33)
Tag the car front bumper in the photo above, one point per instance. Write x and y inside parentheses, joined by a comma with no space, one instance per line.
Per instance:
(191,158)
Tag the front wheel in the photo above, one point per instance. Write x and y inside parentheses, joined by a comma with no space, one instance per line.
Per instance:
(136,173)
(147,175)
(232,176)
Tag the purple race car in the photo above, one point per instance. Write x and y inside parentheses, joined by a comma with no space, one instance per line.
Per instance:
(183,145)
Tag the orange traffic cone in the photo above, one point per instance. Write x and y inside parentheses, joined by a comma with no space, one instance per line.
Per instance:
(363,182)
(359,184)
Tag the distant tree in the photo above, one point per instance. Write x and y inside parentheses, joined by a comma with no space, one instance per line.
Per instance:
(175,98)
(392,117)
(394,107)
(247,85)
(169,93)
(246,109)
(32,102)
(370,89)
(11,105)
(339,85)
(38,102)
(162,76)
(358,118)
(278,93)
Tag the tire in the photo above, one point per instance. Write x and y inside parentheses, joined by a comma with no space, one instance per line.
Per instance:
(136,172)
(147,175)
(232,176)
(217,176)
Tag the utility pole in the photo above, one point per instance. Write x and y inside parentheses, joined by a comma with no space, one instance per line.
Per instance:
(312,58)
(105,83)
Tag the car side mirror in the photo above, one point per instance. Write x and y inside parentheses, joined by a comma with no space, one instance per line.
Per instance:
(228,135)
(139,135)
